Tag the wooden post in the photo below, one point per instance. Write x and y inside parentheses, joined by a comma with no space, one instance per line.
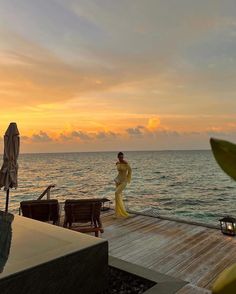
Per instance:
(7,200)
(48,193)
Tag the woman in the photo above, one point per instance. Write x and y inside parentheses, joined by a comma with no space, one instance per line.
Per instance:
(124,177)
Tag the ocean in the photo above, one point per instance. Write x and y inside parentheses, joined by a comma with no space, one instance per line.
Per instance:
(184,184)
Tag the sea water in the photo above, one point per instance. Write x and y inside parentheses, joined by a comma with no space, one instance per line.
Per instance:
(184,184)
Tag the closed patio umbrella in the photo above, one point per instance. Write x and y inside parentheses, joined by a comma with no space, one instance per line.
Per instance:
(9,170)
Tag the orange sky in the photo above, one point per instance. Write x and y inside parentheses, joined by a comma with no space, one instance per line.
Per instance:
(78,76)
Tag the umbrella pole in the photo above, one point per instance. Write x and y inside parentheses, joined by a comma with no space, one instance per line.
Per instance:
(7,201)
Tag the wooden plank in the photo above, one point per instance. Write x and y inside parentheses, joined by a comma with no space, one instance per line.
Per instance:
(223,261)
(136,226)
(175,254)
(135,240)
(193,253)
(124,231)
(192,289)
(169,246)
(203,264)
(189,252)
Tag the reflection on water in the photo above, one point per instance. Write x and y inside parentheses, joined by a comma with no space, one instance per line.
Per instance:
(180,183)
(5,237)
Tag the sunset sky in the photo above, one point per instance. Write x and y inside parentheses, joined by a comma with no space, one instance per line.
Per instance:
(86,75)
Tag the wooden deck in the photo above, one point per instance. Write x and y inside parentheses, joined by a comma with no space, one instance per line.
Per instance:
(195,254)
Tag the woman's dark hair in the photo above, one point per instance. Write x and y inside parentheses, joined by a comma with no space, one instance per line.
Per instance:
(120,153)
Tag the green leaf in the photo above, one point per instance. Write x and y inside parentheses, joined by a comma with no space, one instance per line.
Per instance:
(225,155)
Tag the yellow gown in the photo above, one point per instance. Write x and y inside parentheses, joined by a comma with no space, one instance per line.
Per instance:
(124,177)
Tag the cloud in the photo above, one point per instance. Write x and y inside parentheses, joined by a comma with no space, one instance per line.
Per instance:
(219,133)
(47,61)
(25,138)
(45,79)
(108,140)
(64,137)
(135,131)
(153,123)
(87,136)
(41,137)
(81,135)
(153,127)
(124,71)
(106,135)
(30,74)
(73,136)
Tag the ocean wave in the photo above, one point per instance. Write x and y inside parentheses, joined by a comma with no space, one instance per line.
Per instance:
(190,182)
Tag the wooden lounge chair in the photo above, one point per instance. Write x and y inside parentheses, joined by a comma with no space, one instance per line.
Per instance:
(84,211)
(42,210)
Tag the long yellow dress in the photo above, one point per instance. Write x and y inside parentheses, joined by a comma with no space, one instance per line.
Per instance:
(124,177)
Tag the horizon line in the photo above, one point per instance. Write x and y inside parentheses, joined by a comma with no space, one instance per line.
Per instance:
(113,151)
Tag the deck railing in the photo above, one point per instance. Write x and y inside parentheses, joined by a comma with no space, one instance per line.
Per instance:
(46,192)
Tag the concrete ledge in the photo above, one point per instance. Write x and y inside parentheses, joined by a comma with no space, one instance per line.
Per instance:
(47,259)
(164,283)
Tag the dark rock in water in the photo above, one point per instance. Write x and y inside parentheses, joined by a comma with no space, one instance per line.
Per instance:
(121,282)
